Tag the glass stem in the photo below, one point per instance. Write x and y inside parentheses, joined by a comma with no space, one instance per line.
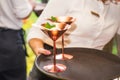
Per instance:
(63,46)
(55,52)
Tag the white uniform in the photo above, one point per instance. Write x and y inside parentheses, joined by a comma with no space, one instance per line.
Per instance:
(89,30)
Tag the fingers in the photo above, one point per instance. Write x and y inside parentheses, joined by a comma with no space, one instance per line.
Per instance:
(43,51)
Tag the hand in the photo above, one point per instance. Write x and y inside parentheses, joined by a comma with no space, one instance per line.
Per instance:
(37,47)
(39,51)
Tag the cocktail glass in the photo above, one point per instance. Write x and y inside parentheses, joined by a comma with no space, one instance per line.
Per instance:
(54,34)
(68,20)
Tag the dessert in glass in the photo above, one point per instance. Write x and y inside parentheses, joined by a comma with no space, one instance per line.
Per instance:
(54,31)
(63,19)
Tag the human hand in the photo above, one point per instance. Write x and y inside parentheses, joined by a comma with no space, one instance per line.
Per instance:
(39,51)
(37,47)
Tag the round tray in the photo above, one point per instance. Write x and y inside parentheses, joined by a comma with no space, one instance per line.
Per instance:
(87,64)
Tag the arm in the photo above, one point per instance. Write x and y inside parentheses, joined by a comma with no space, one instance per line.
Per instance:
(35,37)
(37,47)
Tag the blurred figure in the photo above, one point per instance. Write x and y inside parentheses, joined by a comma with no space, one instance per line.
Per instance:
(97,21)
(12,47)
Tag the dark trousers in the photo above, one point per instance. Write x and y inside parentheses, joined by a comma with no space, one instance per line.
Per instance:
(12,55)
(13,74)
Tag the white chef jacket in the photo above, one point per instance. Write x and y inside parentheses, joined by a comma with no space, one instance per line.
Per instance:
(11,12)
(89,30)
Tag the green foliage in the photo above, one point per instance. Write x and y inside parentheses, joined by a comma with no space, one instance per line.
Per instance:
(26,26)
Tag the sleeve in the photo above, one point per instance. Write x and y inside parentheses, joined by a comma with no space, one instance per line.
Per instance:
(22,8)
(35,32)
(118,31)
(53,8)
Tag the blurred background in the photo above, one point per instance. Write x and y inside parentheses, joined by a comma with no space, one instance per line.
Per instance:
(27,25)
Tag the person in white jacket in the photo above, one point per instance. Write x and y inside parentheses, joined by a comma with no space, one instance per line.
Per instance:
(97,22)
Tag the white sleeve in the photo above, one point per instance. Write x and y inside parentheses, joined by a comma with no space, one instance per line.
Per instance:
(53,8)
(22,8)
(35,32)
(118,32)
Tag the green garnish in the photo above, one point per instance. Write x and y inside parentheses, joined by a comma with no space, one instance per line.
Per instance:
(53,18)
(49,26)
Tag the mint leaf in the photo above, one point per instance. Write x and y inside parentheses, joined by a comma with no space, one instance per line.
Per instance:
(53,18)
(49,26)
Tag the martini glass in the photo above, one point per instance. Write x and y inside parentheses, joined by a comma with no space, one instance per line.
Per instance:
(68,20)
(54,34)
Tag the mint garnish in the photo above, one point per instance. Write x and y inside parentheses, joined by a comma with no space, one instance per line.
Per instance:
(53,18)
(49,26)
